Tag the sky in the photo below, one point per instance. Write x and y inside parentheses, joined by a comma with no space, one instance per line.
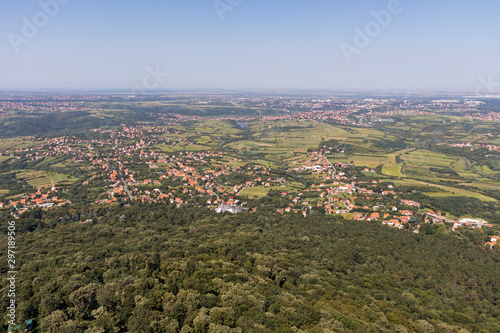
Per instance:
(346,45)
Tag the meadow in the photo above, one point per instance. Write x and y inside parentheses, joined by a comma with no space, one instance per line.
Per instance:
(446,191)
(261,191)
(17,143)
(4,158)
(38,179)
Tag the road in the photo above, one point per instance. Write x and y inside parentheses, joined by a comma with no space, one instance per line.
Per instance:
(125,186)
(334,171)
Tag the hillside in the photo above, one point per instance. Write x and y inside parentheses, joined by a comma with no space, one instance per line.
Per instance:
(161,269)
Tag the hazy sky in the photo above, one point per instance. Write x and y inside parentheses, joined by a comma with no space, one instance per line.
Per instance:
(292,44)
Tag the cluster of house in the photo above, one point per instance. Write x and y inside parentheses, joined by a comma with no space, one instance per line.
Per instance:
(338,191)
(387,218)
(494,241)
(342,109)
(206,174)
(338,116)
(43,106)
(197,173)
(471,223)
(474,146)
(490,116)
(328,197)
(42,199)
(411,111)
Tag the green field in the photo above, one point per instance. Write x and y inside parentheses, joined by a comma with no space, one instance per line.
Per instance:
(255,191)
(281,141)
(487,171)
(56,162)
(39,179)
(247,145)
(419,163)
(261,191)
(391,167)
(483,185)
(447,191)
(232,162)
(295,135)
(18,142)
(204,140)
(182,146)
(216,127)
(359,160)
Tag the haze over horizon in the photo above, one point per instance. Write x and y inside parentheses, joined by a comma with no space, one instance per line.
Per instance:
(243,44)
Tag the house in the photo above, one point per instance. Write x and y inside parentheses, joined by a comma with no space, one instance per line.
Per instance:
(229,208)
(490,244)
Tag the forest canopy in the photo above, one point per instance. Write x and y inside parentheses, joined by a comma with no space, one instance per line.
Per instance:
(159,269)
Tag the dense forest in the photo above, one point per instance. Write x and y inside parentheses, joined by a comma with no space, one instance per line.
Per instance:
(155,268)
(53,124)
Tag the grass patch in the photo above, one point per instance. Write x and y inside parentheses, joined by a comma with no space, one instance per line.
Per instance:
(255,191)
(391,167)
(39,179)
(445,190)
(182,146)
(11,143)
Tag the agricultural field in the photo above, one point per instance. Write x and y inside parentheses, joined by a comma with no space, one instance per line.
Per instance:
(454,192)
(277,140)
(361,160)
(183,146)
(421,161)
(38,179)
(391,166)
(56,162)
(487,170)
(17,143)
(204,140)
(446,191)
(483,185)
(232,162)
(255,191)
(216,128)
(4,158)
(294,134)
(262,191)
(247,146)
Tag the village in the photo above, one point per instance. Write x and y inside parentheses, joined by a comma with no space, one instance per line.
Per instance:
(129,166)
